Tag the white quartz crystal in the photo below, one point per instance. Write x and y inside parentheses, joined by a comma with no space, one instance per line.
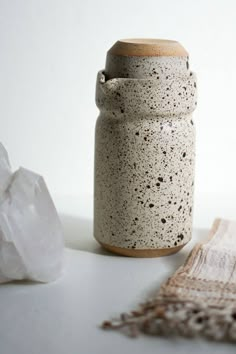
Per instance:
(5,169)
(31,237)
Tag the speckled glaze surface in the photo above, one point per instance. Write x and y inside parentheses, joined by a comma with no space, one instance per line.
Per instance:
(144,153)
(145,67)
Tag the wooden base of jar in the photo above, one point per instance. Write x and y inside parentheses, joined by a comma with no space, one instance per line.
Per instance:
(145,253)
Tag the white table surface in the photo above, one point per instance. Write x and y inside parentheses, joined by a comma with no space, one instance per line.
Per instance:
(63,317)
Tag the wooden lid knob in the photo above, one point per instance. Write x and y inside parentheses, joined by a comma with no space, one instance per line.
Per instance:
(148,47)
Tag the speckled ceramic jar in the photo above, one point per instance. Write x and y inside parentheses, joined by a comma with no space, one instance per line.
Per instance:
(144,149)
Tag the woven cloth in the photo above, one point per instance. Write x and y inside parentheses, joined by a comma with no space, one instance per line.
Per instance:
(199,299)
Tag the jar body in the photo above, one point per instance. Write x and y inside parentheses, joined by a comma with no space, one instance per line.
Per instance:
(144,164)
(144,172)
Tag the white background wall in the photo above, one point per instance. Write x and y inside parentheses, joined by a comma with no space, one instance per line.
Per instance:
(50,52)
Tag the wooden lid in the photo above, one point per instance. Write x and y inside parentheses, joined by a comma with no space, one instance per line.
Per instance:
(148,47)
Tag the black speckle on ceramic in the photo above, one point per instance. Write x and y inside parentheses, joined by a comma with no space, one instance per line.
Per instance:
(144,157)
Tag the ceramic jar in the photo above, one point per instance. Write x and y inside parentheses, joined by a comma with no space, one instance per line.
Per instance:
(144,149)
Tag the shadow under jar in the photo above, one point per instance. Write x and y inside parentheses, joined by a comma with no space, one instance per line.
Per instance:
(144,149)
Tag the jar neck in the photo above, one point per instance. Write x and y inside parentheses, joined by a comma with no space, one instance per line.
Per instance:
(145,67)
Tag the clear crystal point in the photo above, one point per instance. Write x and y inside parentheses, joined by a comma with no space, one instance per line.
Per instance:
(5,169)
(31,237)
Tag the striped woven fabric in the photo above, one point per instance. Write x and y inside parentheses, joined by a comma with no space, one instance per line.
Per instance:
(199,299)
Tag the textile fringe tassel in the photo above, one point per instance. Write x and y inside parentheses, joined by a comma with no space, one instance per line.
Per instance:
(199,299)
